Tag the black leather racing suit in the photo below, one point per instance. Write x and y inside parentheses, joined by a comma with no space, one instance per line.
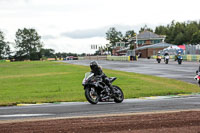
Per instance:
(99,73)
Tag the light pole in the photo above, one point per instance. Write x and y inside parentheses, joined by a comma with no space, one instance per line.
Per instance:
(136,41)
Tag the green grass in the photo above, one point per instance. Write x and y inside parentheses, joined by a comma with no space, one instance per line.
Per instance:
(33,82)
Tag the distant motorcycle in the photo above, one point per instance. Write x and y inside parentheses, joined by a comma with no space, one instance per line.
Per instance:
(158,58)
(179,59)
(197,78)
(166,59)
(97,91)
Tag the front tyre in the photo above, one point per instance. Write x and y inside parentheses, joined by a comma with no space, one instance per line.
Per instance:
(179,62)
(118,94)
(166,62)
(91,95)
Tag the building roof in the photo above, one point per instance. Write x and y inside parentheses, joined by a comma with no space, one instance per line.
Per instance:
(157,45)
(145,35)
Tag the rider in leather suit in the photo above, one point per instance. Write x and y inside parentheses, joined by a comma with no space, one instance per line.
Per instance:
(99,73)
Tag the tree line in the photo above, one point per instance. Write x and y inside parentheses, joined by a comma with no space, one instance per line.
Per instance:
(177,33)
(28,46)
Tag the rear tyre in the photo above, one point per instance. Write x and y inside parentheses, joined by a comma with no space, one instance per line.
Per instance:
(118,94)
(91,95)
(166,61)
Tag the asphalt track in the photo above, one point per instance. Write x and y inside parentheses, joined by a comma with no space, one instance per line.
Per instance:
(184,72)
(79,109)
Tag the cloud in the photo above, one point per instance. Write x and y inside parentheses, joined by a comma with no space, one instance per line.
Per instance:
(47,37)
(88,33)
(101,32)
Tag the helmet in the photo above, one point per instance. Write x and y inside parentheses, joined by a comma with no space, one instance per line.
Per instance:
(179,51)
(158,52)
(93,65)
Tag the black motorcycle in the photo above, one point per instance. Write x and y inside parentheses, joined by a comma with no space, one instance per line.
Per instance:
(97,91)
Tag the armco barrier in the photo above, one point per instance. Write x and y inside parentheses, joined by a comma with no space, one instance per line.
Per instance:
(185,57)
(80,58)
(118,58)
(4,60)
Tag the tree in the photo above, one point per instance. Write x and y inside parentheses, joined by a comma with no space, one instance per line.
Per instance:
(145,28)
(28,44)
(4,47)
(128,35)
(161,30)
(196,38)
(113,36)
(49,53)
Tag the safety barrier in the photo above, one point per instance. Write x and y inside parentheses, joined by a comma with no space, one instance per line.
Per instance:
(4,60)
(118,58)
(81,58)
(185,57)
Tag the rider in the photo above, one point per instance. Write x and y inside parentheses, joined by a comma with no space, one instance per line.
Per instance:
(179,53)
(99,73)
(197,71)
(166,54)
(158,54)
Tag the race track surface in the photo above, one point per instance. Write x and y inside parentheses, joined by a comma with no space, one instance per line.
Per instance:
(185,72)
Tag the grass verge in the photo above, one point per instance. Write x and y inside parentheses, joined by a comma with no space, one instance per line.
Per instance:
(39,82)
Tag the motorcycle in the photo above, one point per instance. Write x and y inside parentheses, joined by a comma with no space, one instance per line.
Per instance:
(159,59)
(179,59)
(97,91)
(197,77)
(166,59)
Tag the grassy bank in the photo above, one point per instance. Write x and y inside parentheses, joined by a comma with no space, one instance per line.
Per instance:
(33,82)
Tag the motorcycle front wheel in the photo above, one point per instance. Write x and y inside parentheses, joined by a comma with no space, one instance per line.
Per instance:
(118,94)
(91,95)
(166,62)
(179,62)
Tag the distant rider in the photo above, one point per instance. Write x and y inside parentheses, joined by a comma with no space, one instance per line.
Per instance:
(197,71)
(179,53)
(158,54)
(166,54)
(99,73)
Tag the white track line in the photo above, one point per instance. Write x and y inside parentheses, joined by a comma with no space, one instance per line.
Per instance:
(23,115)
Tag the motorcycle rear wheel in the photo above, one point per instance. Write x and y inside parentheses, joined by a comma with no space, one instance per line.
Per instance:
(91,95)
(118,94)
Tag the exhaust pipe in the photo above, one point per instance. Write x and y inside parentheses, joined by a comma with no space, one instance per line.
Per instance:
(105,97)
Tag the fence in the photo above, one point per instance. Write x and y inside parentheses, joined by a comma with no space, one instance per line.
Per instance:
(192,49)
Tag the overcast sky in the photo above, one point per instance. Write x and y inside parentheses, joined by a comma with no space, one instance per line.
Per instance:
(73,25)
